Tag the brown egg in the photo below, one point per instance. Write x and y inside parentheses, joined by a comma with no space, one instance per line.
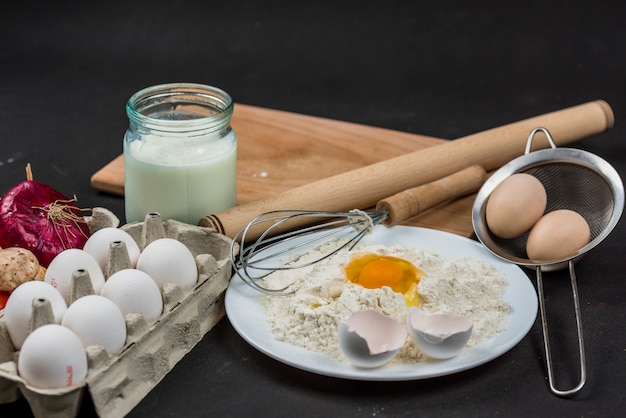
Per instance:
(557,235)
(515,205)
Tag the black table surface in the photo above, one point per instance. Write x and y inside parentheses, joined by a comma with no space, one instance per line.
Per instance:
(446,69)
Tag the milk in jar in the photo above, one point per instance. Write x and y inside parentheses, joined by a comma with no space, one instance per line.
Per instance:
(180,153)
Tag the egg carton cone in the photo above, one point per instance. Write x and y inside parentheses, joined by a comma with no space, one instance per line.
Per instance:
(117,383)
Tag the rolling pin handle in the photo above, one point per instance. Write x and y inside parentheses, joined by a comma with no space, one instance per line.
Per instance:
(412,202)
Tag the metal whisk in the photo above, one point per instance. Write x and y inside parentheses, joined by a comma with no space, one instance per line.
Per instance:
(283,247)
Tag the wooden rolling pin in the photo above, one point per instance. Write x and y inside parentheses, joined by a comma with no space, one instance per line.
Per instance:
(412,202)
(365,186)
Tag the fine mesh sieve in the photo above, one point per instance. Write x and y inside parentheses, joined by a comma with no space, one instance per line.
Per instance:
(575,180)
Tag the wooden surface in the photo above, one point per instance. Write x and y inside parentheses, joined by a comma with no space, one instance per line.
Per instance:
(291,161)
(279,150)
(364,187)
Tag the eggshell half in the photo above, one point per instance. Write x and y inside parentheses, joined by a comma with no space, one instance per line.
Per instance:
(438,336)
(370,339)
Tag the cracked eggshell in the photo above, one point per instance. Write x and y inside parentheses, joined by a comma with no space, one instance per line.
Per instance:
(168,260)
(370,339)
(99,243)
(60,270)
(438,336)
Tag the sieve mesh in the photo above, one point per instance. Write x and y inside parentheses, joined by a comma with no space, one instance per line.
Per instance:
(568,186)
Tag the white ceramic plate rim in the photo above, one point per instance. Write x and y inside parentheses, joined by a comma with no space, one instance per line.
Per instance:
(247,315)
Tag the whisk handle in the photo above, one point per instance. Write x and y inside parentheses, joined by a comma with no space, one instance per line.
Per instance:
(412,202)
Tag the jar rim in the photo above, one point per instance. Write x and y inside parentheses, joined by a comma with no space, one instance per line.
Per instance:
(216,105)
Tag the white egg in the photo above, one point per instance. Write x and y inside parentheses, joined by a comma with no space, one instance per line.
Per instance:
(99,242)
(18,309)
(97,321)
(167,260)
(60,270)
(370,339)
(52,357)
(134,291)
(438,336)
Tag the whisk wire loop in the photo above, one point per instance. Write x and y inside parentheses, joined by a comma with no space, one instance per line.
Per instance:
(280,240)
(281,247)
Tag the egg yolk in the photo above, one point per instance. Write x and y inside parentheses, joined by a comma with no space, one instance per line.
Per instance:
(374,271)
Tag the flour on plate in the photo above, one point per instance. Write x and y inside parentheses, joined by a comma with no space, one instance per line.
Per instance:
(309,318)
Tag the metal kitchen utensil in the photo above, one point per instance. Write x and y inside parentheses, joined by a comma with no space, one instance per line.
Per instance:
(575,180)
(331,232)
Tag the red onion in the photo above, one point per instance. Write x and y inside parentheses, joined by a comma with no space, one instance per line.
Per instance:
(41,219)
(4,296)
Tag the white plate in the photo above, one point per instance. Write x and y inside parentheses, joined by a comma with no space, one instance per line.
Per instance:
(248,316)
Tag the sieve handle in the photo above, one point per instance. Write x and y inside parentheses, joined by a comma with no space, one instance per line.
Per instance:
(365,186)
(412,202)
(546,339)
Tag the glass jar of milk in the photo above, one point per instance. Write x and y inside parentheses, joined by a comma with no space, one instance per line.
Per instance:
(180,153)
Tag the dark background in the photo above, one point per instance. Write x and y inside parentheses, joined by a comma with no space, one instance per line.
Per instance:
(445,69)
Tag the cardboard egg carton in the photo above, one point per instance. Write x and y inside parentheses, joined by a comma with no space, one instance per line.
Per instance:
(118,382)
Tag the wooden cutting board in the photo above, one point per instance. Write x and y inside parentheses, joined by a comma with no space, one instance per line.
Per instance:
(280,150)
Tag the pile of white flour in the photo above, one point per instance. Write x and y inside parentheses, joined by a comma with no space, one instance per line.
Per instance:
(309,318)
